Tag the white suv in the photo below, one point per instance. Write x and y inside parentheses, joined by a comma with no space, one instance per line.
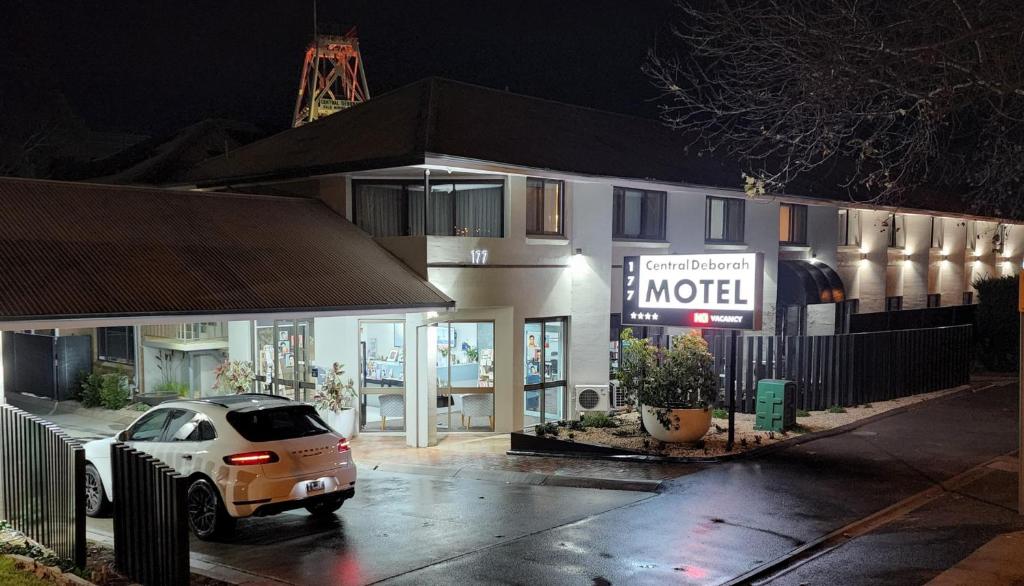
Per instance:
(245,455)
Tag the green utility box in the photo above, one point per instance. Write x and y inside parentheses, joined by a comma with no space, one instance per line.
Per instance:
(776,405)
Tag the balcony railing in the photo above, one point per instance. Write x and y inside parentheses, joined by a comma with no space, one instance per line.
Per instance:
(189,332)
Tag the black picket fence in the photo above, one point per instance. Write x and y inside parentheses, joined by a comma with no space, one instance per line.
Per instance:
(42,483)
(150,519)
(849,369)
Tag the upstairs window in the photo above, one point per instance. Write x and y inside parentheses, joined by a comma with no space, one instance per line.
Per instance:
(116,344)
(792,224)
(897,235)
(723,220)
(849,228)
(971,228)
(545,207)
(894,303)
(453,208)
(638,214)
(937,232)
(933,300)
(999,238)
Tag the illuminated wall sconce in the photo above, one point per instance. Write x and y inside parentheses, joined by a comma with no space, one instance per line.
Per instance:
(863,256)
(945,257)
(906,258)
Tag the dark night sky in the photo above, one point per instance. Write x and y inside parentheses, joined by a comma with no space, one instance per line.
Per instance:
(155,66)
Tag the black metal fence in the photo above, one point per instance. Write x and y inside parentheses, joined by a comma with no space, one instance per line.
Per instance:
(42,483)
(150,522)
(849,369)
(911,319)
(50,366)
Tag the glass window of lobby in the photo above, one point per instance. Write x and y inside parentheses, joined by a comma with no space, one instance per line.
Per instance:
(638,214)
(723,220)
(474,208)
(792,224)
(382,375)
(545,205)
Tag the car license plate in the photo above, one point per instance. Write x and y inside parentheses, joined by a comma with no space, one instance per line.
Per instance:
(314,485)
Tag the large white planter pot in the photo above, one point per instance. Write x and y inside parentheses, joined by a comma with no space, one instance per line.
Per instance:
(688,425)
(343,422)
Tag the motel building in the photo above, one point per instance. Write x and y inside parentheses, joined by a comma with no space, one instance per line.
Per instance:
(460,250)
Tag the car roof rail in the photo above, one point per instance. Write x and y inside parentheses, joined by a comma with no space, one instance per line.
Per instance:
(229,400)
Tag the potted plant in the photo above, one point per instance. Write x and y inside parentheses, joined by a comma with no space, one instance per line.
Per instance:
(234,376)
(676,397)
(336,401)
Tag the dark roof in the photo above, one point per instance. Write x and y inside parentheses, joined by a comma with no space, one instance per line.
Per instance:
(70,250)
(158,160)
(443,117)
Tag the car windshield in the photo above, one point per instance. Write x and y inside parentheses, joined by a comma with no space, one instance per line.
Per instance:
(278,423)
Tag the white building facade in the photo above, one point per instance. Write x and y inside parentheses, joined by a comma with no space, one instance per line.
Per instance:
(531,249)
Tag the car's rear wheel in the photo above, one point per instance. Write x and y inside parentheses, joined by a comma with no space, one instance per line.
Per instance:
(325,507)
(206,513)
(96,502)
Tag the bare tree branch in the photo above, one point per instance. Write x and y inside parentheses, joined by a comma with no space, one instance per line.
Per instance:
(882,98)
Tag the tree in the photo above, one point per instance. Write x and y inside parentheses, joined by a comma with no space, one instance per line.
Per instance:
(882,99)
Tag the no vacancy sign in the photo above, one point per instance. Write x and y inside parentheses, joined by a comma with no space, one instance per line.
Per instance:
(721,291)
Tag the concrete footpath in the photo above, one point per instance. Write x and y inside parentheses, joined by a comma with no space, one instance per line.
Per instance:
(998,562)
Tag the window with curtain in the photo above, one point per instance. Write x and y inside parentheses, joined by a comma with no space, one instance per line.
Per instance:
(897,235)
(724,220)
(638,214)
(544,207)
(937,232)
(792,224)
(849,228)
(454,208)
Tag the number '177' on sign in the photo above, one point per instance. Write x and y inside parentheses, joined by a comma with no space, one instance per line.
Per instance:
(721,291)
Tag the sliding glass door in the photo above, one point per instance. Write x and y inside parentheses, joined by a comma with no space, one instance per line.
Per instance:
(465,376)
(545,341)
(284,363)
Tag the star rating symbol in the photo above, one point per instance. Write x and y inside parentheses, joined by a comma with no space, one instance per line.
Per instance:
(655,317)
(633,315)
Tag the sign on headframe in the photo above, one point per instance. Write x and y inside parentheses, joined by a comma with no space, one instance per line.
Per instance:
(720,291)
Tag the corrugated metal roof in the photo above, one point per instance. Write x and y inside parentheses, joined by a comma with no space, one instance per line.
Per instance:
(85,250)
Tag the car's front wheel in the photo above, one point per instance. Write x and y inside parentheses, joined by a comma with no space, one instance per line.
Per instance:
(96,502)
(207,516)
(325,507)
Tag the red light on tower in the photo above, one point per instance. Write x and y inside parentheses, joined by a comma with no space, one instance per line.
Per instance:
(701,317)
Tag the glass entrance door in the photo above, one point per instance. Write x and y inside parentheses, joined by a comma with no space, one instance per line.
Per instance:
(382,375)
(465,376)
(284,350)
(544,370)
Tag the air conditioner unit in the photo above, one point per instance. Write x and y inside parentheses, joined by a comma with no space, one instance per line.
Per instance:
(591,398)
(618,397)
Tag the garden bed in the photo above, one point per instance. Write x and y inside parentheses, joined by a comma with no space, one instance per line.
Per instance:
(626,439)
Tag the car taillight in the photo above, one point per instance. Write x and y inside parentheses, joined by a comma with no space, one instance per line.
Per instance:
(251,458)
(343,446)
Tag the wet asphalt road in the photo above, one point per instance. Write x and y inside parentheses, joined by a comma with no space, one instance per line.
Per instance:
(706,527)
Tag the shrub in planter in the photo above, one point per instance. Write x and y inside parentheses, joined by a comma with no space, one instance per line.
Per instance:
(676,396)
(637,358)
(336,400)
(996,327)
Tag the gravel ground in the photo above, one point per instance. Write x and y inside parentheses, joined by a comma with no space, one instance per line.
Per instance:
(628,435)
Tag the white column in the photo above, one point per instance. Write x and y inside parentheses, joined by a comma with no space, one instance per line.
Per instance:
(421,406)
(3,399)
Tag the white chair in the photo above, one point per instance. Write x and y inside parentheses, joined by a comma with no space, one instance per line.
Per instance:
(481,405)
(391,405)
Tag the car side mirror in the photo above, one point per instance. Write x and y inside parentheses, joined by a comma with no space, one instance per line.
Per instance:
(121,435)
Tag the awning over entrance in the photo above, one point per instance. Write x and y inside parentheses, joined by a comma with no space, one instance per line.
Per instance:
(807,282)
(87,252)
